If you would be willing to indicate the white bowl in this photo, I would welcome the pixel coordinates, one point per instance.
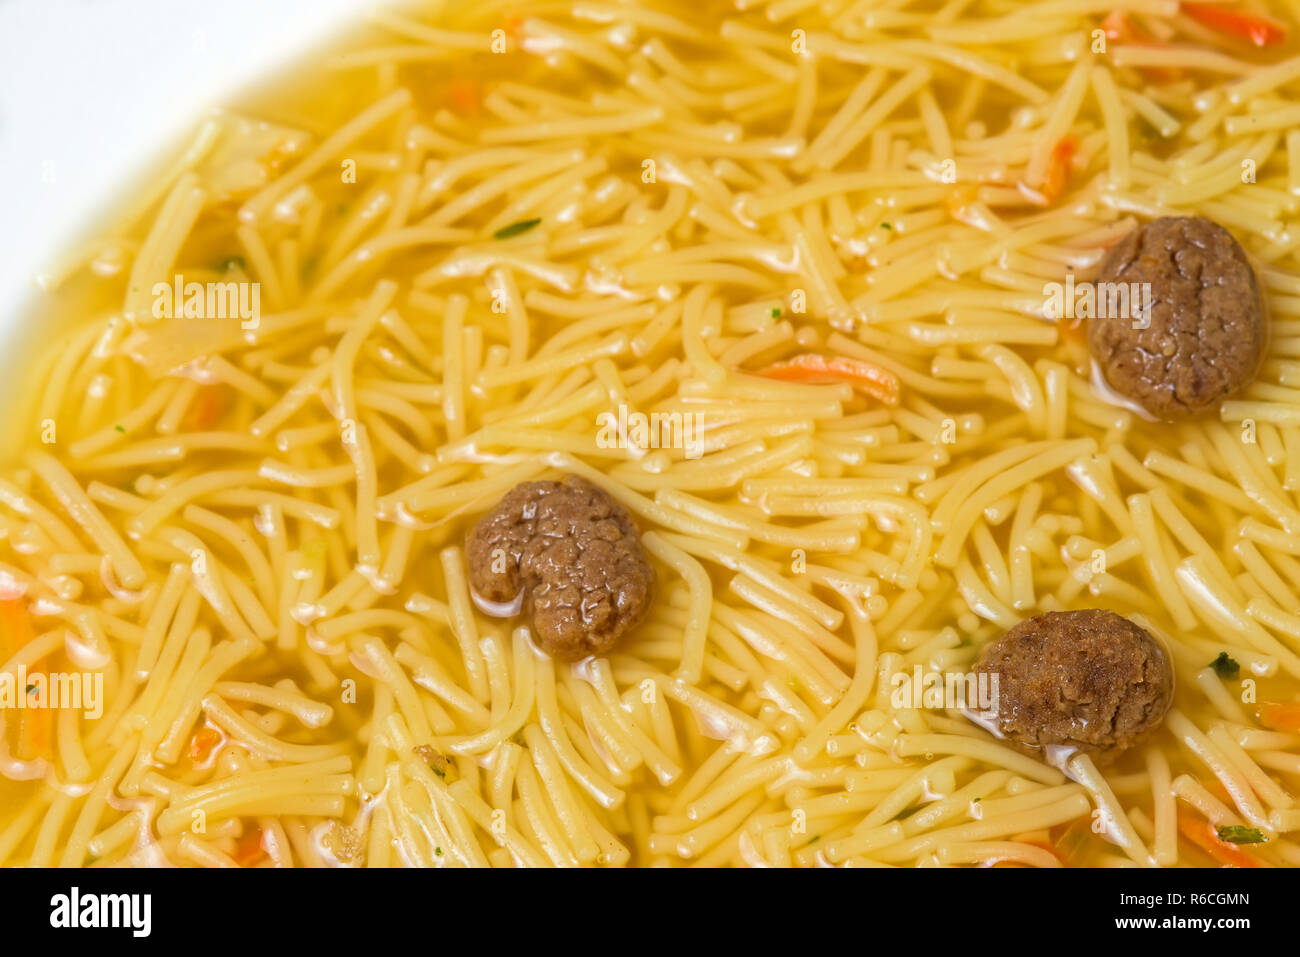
(94, 94)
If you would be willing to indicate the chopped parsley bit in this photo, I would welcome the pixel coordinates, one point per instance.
(515, 229)
(231, 262)
(1225, 666)
(438, 771)
(438, 851)
(776, 312)
(120, 428)
(517, 737)
(1240, 834)
(31, 688)
(886, 226)
(814, 839)
(976, 800)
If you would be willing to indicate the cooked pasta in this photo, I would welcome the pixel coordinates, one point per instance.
(773, 276)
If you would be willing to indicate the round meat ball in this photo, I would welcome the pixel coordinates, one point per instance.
(1206, 332)
(575, 555)
(1089, 680)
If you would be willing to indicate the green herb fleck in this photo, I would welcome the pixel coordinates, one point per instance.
(1240, 834)
(341, 208)
(776, 312)
(438, 851)
(515, 229)
(438, 771)
(1225, 666)
(31, 689)
(517, 738)
(887, 226)
(120, 428)
(231, 262)
(814, 839)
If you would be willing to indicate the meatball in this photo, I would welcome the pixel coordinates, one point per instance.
(1090, 680)
(573, 555)
(1206, 331)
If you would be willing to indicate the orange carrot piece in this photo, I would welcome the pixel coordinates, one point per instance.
(464, 96)
(1260, 31)
(201, 745)
(1203, 835)
(15, 627)
(866, 377)
(1117, 26)
(38, 731)
(210, 404)
(35, 726)
(248, 849)
(1120, 28)
(1280, 717)
(1058, 172)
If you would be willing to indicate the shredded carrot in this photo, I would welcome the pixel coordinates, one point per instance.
(866, 377)
(15, 626)
(1261, 31)
(1059, 170)
(38, 728)
(210, 404)
(34, 729)
(1280, 717)
(464, 96)
(1203, 835)
(1058, 173)
(1120, 28)
(248, 849)
(1117, 26)
(201, 745)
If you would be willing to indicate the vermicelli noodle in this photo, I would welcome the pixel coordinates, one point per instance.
(503, 242)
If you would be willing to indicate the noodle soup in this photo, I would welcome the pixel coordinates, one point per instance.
(776, 279)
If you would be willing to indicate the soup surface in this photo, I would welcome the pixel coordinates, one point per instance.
(804, 288)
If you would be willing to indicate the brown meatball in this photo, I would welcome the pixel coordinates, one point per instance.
(1206, 332)
(1090, 680)
(575, 554)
